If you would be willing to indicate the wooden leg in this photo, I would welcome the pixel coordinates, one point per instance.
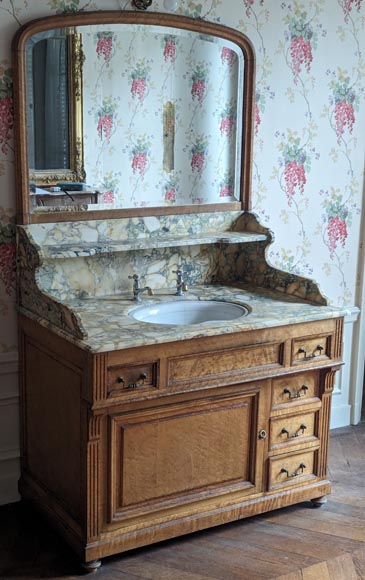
(318, 502)
(92, 566)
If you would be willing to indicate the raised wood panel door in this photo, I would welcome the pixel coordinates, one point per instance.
(183, 453)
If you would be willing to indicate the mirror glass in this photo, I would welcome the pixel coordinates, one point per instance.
(132, 116)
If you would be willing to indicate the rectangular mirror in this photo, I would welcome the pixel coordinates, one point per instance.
(150, 111)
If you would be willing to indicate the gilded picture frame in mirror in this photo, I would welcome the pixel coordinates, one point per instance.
(54, 110)
(73, 198)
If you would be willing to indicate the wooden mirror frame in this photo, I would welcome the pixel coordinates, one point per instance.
(24, 215)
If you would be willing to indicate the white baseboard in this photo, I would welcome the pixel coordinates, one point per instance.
(342, 403)
(340, 416)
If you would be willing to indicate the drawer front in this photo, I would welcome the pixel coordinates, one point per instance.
(289, 430)
(294, 469)
(311, 349)
(127, 380)
(295, 388)
(224, 367)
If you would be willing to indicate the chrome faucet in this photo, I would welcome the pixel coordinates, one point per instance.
(137, 290)
(181, 287)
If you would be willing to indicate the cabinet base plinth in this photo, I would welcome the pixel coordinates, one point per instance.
(319, 501)
(91, 566)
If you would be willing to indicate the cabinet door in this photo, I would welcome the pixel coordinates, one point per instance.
(182, 453)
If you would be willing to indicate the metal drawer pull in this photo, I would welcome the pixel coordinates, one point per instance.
(142, 378)
(302, 350)
(297, 433)
(299, 471)
(298, 394)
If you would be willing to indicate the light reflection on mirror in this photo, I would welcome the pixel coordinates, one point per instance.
(162, 112)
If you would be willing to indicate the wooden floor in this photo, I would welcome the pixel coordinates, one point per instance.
(296, 543)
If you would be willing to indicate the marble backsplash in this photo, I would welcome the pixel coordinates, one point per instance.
(107, 274)
(48, 279)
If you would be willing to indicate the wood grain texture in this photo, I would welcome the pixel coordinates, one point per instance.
(293, 543)
(184, 450)
(204, 448)
(223, 366)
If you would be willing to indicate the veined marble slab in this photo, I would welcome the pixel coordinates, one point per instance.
(109, 327)
(82, 249)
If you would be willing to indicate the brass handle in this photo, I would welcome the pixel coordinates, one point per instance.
(302, 350)
(262, 434)
(298, 394)
(299, 471)
(131, 386)
(297, 433)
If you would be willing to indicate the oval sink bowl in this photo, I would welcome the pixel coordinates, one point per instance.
(189, 312)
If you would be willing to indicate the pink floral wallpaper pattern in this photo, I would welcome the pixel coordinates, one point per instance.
(309, 130)
(126, 90)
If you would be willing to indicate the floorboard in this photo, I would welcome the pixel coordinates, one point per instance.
(294, 543)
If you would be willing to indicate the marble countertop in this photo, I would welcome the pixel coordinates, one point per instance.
(108, 325)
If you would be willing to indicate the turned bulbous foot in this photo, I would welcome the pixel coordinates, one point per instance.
(91, 566)
(318, 502)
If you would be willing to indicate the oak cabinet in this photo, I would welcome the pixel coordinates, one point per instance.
(126, 448)
(176, 455)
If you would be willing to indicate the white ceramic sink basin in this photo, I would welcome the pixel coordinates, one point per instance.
(188, 312)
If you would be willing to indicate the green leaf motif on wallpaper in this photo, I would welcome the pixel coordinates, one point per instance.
(69, 6)
(193, 10)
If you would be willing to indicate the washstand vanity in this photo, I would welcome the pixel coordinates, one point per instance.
(138, 427)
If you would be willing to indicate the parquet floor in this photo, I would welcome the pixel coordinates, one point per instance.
(295, 543)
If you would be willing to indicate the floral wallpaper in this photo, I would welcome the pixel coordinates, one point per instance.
(126, 92)
(309, 131)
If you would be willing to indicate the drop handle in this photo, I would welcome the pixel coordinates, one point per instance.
(297, 433)
(314, 354)
(298, 394)
(131, 386)
(299, 471)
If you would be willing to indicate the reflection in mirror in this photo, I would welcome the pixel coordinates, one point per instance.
(54, 107)
(162, 115)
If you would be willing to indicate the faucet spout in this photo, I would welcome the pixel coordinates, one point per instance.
(137, 290)
(181, 286)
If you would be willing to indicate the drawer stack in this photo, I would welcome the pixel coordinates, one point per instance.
(294, 439)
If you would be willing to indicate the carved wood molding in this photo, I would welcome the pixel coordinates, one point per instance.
(337, 347)
(93, 479)
(99, 378)
(328, 378)
(94, 432)
(93, 490)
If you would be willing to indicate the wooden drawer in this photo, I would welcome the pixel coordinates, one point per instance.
(289, 430)
(311, 349)
(291, 469)
(127, 380)
(294, 389)
(224, 366)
